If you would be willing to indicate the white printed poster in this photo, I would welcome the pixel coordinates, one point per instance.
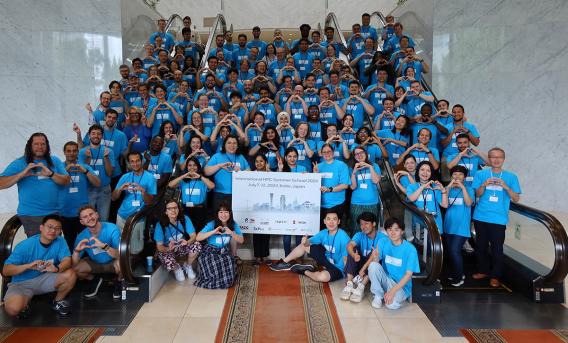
(277, 203)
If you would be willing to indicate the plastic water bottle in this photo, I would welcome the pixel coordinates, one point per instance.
(123, 290)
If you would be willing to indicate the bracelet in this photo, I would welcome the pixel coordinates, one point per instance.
(105, 247)
(52, 173)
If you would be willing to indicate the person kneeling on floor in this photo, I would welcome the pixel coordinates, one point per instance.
(175, 238)
(359, 256)
(39, 265)
(99, 240)
(217, 267)
(392, 280)
(328, 247)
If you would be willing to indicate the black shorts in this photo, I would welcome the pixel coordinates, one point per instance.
(317, 252)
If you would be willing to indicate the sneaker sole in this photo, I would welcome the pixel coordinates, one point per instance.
(345, 298)
(95, 292)
(356, 299)
(280, 270)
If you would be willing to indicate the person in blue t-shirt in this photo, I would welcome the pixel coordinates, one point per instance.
(305, 146)
(303, 61)
(495, 188)
(328, 247)
(425, 120)
(38, 265)
(99, 241)
(457, 127)
(412, 60)
(102, 160)
(175, 238)
(457, 221)
(222, 165)
(364, 179)
(405, 176)
(194, 188)
(356, 43)
(355, 105)
(98, 115)
(421, 150)
(427, 193)
(393, 44)
(468, 156)
(162, 111)
(39, 177)
(414, 99)
(391, 280)
(137, 133)
(334, 182)
(256, 42)
(139, 187)
(158, 163)
(76, 193)
(216, 261)
(359, 252)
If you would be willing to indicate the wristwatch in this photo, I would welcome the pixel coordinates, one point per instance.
(330, 189)
(105, 247)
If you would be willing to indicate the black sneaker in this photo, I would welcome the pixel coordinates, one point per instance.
(117, 290)
(457, 283)
(302, 268)
(25, 313)
(62, 307)
(280, 266)
(96, 286)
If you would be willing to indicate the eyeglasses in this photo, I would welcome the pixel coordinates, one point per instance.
(52, 227)
(359, 153)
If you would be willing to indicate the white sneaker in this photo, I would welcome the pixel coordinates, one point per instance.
(189, 271)
(358, 293)
(346, 292)
(180, 276)
(377, 302)
(467, 247)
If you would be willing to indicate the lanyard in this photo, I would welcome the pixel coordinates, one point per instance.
(499, 177)
(455, 198)
(191, 188)
(111, 135)
(138, 183)
(373, 241)
(94, 163)
(230, 160)
(332, 243)
(176, 227)
(157, 162)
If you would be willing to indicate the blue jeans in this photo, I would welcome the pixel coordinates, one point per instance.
(455, 244)
(99, 197)
(287, 240)
(381, 283)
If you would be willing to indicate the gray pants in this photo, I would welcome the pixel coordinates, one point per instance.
(31, 224)
(381, 283)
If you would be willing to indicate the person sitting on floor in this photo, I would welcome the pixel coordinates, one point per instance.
(328, 247)
(175, 238)
(391, 280)
(216, 264)
(359, 257)
(99, 240)
(39, 265)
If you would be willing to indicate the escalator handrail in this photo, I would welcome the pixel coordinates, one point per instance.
(331, 21)
(559, 270)
(7, 237)
(437, 254)
(219, 20)
(425, 84)
(170, 21)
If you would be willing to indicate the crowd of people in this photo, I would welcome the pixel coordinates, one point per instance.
(181, 119)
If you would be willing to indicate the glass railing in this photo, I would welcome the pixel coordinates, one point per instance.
(219, 27)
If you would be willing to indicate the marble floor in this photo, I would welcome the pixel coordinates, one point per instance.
(182, 312)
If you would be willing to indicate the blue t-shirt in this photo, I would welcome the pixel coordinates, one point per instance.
(452, 148)
(143, 133)
(163, 113)
(366, 244)
(316, 129)
(75, 194)
(493, 205)
(37, 195)
(366, 192)
(399, 259)
(193, 192)
(332, 175)
(173, 232)
(160, 164)
(422, 155)
(335, 246)
(224, 179)
(133, 200)
(303, 158)
(471, 162)
(416, 127)
(98, 163)
(457, 220)
(31, 249)
(297, 113)
(115, 140)
(356, 109)
(394, 150)
(220, 240)
(258, 44)
(376, 97)
(429, 202)
(109, 234)
(415, 103)
(303, 62)
(328, 114)
(375, 153)
(269, 112)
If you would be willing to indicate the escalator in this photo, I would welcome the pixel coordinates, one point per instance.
(536, 245)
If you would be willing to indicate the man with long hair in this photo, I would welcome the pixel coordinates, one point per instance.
(38, 176)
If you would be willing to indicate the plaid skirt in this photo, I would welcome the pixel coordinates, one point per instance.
(217, 268)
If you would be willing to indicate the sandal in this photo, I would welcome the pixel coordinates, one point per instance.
(238, 260)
